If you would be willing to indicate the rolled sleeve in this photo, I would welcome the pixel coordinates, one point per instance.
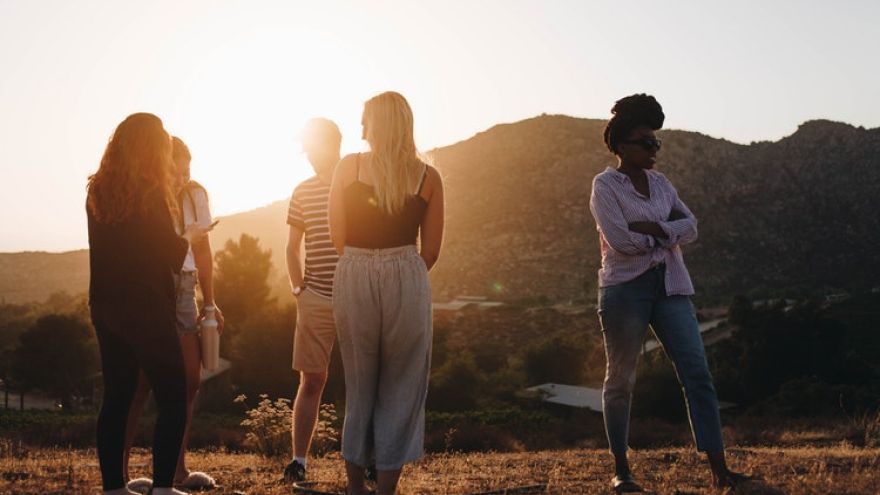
(683, 230)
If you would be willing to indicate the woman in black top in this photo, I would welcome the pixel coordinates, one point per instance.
(134, 251)
(381, 204)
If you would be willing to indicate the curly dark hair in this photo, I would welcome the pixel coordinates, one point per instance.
(629, 113)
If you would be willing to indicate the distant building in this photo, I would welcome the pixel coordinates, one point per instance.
(223, 365)
(569, 395)
(836, 297)
(581, 397)
(711, 331)
(460, 302)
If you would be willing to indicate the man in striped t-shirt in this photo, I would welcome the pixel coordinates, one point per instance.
(313, 288)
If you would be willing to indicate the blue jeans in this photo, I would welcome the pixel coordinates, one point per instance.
(187, 315)
(625, 311)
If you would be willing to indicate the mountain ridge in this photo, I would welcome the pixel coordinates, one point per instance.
(518, 225)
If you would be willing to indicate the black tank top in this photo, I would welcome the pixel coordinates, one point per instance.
(368, 226)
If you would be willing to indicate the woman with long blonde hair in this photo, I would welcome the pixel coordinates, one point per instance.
(134, 250)
(386, 221)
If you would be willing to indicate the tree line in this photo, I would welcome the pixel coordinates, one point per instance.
(802, 359)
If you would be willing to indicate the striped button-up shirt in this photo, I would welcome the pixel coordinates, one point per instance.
(615, 203)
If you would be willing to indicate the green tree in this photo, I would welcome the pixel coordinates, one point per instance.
(261, 353)
(15, 319)
(454, 386)
(241, 286)
(259, 335)
(558, 359)
(740, 310)
(6, 359)
(57, 354)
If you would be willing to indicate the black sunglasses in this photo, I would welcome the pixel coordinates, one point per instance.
(646, 143)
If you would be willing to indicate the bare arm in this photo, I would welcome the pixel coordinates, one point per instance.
(294, 261)
(204, 258)
(342, 177)
(434, 219)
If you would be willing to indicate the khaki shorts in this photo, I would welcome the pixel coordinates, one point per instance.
(315, 333)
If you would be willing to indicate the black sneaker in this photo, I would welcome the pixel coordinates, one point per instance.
(294, 472)
(371, 474)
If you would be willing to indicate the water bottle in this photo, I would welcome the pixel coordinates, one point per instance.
(210, 339)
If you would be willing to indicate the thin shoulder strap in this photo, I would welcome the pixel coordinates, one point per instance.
(186, 194)
(357, 167)
(422, 182)
(192, 204)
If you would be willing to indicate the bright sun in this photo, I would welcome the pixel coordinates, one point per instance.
(244, 102)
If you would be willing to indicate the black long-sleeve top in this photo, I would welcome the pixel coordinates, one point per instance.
(133, 261)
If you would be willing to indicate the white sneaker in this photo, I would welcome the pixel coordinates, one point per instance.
(197, 480)
(166, 491)
(140, 485)
(119, 491)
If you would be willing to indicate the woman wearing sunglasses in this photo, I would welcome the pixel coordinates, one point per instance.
(643, 281)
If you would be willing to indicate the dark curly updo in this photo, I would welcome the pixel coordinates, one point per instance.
(629, 113)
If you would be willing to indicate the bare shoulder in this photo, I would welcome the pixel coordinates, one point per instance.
(348, 161)
(433, 177)
(433, 183)
(346, 169)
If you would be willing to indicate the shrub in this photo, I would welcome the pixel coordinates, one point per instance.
(268, 427)
(455, 385)
(559, 360)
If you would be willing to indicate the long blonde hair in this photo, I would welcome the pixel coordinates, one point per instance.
(136, 164)
(388, 128)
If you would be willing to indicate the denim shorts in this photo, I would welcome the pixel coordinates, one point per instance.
(187, 312)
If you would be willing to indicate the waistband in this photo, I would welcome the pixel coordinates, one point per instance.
(397, 252)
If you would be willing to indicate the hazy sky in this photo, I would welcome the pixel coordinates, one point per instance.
(236, 80)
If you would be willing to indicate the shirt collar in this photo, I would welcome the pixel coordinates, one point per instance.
(617, 174)
(622, 177)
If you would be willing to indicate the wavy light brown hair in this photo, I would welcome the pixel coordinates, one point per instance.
(137, 163)
(388, 127)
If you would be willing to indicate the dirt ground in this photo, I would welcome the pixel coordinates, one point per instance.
(832, 470)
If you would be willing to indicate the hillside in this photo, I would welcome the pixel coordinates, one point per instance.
(34, 276)
(791, 214)
(772, 215)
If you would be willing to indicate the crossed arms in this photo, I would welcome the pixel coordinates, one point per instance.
(634, 238)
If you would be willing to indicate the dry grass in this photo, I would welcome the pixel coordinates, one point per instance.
(833, 470)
